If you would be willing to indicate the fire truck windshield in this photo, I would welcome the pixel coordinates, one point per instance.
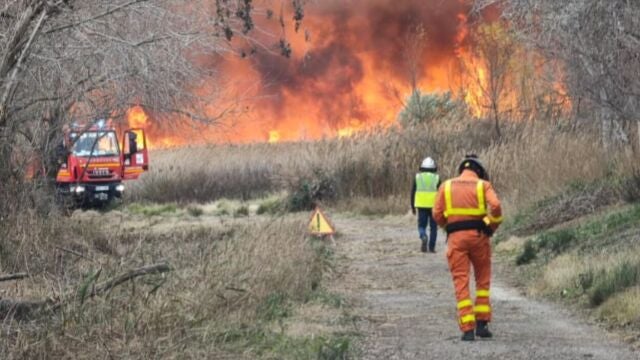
(106, 144)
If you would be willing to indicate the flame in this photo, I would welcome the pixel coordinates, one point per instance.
(137, 118)
(346, 132)
(274, 136)
(347, 74)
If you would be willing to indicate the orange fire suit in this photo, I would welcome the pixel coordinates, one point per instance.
(463, 199)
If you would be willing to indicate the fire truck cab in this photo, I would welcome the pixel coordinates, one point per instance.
(94, 163)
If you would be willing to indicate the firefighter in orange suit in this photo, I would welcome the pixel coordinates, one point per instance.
(469, 210)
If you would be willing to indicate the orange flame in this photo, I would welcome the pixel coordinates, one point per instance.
(336, 83)
(274, 136)
(137, 118)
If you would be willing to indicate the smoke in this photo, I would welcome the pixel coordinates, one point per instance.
(350, 42)
(347, 71)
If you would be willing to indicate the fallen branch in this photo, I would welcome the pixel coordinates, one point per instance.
(16, 276)
(24, 309)
(73, 252)
(111, 283)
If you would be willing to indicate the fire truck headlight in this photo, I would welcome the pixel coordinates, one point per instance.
(119, 188)
(78, 189)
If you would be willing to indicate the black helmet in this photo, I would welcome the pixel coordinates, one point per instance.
(472, 162)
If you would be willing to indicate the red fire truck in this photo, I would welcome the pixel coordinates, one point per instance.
(94, 163)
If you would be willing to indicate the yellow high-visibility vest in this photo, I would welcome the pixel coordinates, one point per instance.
(480, 210)
(426, 189)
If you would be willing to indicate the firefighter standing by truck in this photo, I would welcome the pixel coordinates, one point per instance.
(469, 210)
(423, 195)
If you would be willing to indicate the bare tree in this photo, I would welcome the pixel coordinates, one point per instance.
(492, 51)
(64, 60)
(415, 43)
(599, 42)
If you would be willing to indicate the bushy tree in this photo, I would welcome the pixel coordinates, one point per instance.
(424, 108)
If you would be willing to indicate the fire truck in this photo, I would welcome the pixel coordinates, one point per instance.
(94, 164)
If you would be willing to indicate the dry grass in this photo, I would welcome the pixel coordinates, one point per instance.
(530, 162)
(209, 173)
(542, 160)
(374, 165)
(218, 299)
(623, 308)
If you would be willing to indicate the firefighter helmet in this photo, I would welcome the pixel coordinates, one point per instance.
(472, 163)
(428, 164)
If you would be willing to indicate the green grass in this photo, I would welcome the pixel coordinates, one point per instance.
(195, 211)
(241, 211)
(325, 297)
(594, 233)
(275, 307)
(271, 206)
(529, 253)
(611, 281)
(270, 344)
(152, 210)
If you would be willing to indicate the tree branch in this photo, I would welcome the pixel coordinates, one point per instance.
(16, 276)
(10, 83)
(26, 309)
(110, 284)
(96, 17)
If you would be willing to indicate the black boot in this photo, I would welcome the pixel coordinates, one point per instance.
(423, 248)
(482, 329)
(468, 336)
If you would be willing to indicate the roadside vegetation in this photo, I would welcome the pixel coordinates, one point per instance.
(234, 287)
(581, 247)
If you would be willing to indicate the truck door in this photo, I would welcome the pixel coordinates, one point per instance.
(135, 155)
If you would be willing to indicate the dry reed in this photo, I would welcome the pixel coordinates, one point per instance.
(530, 162)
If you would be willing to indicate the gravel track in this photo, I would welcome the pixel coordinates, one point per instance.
(404, 300)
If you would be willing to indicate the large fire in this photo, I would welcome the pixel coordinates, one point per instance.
(348, 72)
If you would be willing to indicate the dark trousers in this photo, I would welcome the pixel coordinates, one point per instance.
(426, 218)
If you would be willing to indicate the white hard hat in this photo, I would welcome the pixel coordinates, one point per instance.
(428, 164)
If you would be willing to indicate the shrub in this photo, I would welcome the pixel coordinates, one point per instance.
(270, 206)
(427, 108)
(609, 282)
(308, 192)
(630, 186)
(152, 210)
(241, 211)
(195, 211)
(557, 241)
(528, 254)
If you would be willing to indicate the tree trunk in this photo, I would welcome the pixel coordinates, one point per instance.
(496, 119)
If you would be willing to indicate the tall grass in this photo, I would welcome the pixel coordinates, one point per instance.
(373, 165)
(208, 173)
(529, 162)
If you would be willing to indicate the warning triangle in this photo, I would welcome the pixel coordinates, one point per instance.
(320, 224)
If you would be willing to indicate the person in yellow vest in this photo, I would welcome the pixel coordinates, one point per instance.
(423, 196)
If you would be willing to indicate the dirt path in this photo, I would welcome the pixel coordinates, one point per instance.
(405, 302)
